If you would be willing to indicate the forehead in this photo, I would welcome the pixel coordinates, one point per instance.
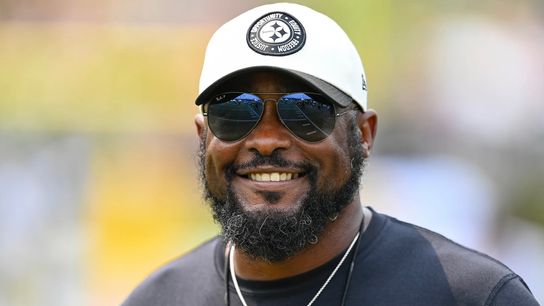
(265, 82)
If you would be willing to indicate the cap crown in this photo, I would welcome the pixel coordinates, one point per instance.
(286, 36)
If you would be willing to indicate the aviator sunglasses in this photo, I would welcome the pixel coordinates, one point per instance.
(308, 116)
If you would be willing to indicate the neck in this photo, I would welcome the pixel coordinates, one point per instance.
(334, 240)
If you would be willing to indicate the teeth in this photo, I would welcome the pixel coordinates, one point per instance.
(273, 177)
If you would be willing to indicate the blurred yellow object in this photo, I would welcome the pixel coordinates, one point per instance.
(130, 88)
(99, 78)
(145, 209)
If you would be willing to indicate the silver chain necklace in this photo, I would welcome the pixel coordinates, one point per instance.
(235, 281)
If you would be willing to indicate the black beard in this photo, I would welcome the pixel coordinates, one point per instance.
(274, 235)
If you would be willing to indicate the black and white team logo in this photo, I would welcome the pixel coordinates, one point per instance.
(276, 34)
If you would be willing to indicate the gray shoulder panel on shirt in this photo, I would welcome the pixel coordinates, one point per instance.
(475, 278)
(511, 291)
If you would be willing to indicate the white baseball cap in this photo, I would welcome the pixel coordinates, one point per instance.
(290, 38)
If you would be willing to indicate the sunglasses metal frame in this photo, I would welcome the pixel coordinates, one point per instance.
(349, 108)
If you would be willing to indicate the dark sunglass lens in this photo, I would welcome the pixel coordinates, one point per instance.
(232, 116)
(306, 116)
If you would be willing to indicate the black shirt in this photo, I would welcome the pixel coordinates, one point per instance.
(397, 263)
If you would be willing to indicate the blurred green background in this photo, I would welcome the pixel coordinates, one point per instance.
(98, 176)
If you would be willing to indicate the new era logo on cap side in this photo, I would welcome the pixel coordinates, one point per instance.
(276, 34)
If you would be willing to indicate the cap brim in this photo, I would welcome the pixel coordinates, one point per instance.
(335, 94)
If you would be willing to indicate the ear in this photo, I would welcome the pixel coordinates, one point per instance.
(368, 124)
(200, 124)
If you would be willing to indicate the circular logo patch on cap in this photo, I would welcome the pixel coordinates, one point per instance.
(276, 34)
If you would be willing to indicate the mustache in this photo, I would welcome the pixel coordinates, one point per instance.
(275, 160)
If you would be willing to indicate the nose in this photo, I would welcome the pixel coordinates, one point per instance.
(270, 134)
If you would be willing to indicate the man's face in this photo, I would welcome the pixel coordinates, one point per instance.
(275, 219)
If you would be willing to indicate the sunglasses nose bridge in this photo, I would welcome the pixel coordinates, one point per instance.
(270, 110)
(270, 119)
(269, 134)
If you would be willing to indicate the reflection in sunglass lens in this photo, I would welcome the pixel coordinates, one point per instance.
(306, 117)
(232, 116)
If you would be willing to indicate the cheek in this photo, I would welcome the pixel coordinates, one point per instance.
(218, 156)
(335, 163)
(335, 170)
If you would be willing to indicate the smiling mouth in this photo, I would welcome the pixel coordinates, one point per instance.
(273, 176)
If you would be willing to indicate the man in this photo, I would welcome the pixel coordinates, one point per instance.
(285, 132)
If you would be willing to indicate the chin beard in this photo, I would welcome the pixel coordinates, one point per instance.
(273, 235)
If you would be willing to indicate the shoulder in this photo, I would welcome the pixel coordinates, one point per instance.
(178, 279)
(474, 278)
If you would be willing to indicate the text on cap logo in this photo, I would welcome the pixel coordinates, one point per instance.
(276, 34)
